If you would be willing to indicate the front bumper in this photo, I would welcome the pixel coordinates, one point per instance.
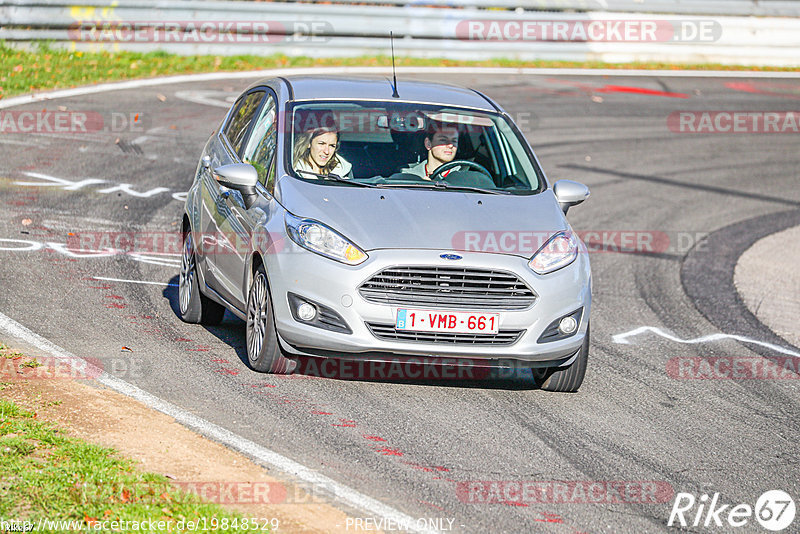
(335, 285)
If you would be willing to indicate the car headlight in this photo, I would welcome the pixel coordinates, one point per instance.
(318, 238)
(559, 251)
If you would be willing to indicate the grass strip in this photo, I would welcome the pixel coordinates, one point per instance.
(46, 475)
(24, 71)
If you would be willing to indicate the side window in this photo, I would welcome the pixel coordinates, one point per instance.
(240, 119)
(260, 149)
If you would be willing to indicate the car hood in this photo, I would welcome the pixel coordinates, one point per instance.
(424, 219)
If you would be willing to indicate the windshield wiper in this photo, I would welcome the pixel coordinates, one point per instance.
(335, 178)
(448, 187)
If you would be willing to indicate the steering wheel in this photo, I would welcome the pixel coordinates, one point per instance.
(436, 175)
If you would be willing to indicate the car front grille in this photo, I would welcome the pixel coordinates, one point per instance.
(388, 332)
(448, 287)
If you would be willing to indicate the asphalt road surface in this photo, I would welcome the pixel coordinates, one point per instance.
(611, 458)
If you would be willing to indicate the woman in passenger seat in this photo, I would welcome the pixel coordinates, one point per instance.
(315, 152)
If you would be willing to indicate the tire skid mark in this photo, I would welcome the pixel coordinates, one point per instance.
(299, 377)
(782, 90)
(588, 88)
(426, 503)
(348, 423)
(115, 304)
(549, 518)
(379, 444)
(264, 385)
(155, 330)
(427, 469)
(24, 200)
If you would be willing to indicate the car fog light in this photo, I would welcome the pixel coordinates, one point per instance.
(567, 325)
(306, 311)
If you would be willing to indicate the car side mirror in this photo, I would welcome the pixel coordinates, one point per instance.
(240, 176)
(569, 193)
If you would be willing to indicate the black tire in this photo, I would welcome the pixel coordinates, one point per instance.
(566, 380)
(263, 350)
(195, 307)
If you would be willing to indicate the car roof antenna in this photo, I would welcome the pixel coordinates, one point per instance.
(395, 94)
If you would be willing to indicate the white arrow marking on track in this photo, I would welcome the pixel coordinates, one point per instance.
(52, 181)
(623, 339)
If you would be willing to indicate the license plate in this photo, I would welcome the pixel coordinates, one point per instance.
(447, 321)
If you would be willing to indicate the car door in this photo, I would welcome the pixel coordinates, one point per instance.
(258, 150)
(220, 246)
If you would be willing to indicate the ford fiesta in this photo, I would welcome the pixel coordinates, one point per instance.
(356, 219)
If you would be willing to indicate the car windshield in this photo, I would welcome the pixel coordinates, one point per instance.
(405, 145)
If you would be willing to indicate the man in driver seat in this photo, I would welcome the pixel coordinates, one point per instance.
(441, 142)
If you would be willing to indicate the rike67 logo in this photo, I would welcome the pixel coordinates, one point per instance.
(774, 510)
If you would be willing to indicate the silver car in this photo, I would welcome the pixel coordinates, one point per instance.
(359, 220)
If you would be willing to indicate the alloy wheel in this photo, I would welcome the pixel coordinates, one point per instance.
(257, 317)
(186, 282)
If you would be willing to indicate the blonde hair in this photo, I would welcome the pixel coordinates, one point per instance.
(302, 148)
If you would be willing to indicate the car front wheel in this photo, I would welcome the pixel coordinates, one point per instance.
(566, 380)
(263, 350)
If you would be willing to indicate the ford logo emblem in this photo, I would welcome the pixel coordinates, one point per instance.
(450, 256)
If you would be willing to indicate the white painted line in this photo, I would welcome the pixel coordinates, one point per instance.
(338, 492)
(144, 258)
(24, 143)
(623, 339)
(204, 97)
(133, 281)
(211, 76)
(68, 185)
(158, 255)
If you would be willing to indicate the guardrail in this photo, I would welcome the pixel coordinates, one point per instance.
(342, 28)
(761, 8)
